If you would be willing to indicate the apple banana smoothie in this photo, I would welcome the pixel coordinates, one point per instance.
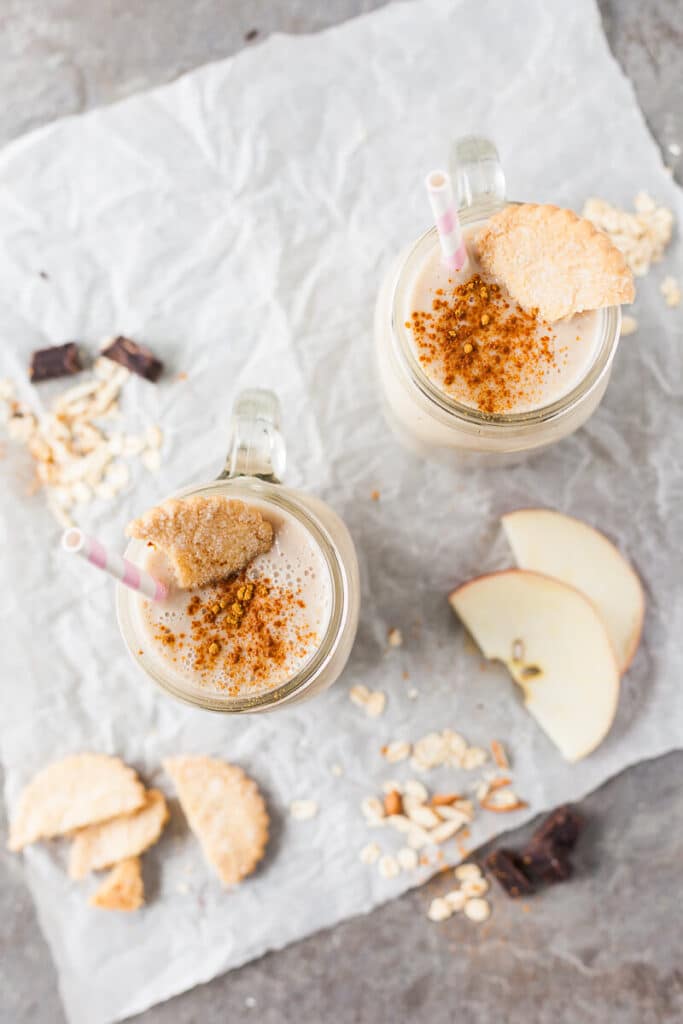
(256, 592)
(248, 634)
(479, 347)
(487, 361)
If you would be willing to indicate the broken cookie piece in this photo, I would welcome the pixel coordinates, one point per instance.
(100, 846)
(122, 889)
(205, 539)
(226, 812)
(553, 262)
(70, 794)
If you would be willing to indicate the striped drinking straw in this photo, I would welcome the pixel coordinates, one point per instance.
(78, 543)
(440, 191)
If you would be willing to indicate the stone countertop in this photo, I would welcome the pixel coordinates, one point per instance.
(605, 948)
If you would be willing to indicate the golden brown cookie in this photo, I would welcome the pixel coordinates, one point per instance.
(122, 889)
(70, 794)
(100, 846)
(205, 538)
(553, 262)
(225, 811)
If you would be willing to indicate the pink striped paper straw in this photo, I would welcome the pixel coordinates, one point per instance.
(78, 543)
(440, 191)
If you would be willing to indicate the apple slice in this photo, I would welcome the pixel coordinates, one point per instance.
(571, 551)
(555, 645)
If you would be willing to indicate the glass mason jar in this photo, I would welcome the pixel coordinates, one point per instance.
(425, 418)
(253, 467)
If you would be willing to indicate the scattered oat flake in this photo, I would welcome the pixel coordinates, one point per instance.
(373, 702)
(439, 909)
(303, 810)
(474, 757)
(416, 789)
(370, 853)
(151, 460)
(499, 755)
(418, 838)
(397, 750)
(359, 694)
(337, 770)
(503, 801)
(395, 638)
(467, 871)
(373, 810)
(376, 704)
(153, 437)
(473, 887)
(388, 867)
(641, 236)
(413, 694)
(477, 910)
(447, 813)
(407, 858)
(421, 815)
(671, 290)
(629, 325)
(446, 830)
(399, 822)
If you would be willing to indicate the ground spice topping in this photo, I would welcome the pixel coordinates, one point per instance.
(484, 348)
(243, 632)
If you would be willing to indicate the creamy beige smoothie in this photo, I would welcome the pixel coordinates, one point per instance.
(481, 349)
(470, 378)
(246, 635)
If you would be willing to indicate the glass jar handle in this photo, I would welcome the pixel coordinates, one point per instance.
(476, 171)
(257, 447)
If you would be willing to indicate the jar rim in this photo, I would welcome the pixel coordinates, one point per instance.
(282, 497)
(448, 408)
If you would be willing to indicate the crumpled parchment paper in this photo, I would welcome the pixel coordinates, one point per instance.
(239, 222)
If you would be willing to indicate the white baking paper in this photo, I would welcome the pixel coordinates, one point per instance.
(239, 222)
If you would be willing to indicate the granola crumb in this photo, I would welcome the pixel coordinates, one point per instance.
(388, 867)
(671, 290)
(303, 810)
(477, 910)
(374, 496)
(395, 637)
(397, 750)
(373, 702)
(629, 325)
(370, 853)
(439, 909)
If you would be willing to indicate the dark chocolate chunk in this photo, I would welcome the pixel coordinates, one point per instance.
(57, 361)
(134, 357)
(544, 861)
(507, 867)
(250, 35)
(561, 827)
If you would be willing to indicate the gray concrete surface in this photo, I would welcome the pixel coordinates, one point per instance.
(606, 948)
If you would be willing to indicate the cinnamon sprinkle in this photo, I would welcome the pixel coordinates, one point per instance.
(483, 345)
(244, 632)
